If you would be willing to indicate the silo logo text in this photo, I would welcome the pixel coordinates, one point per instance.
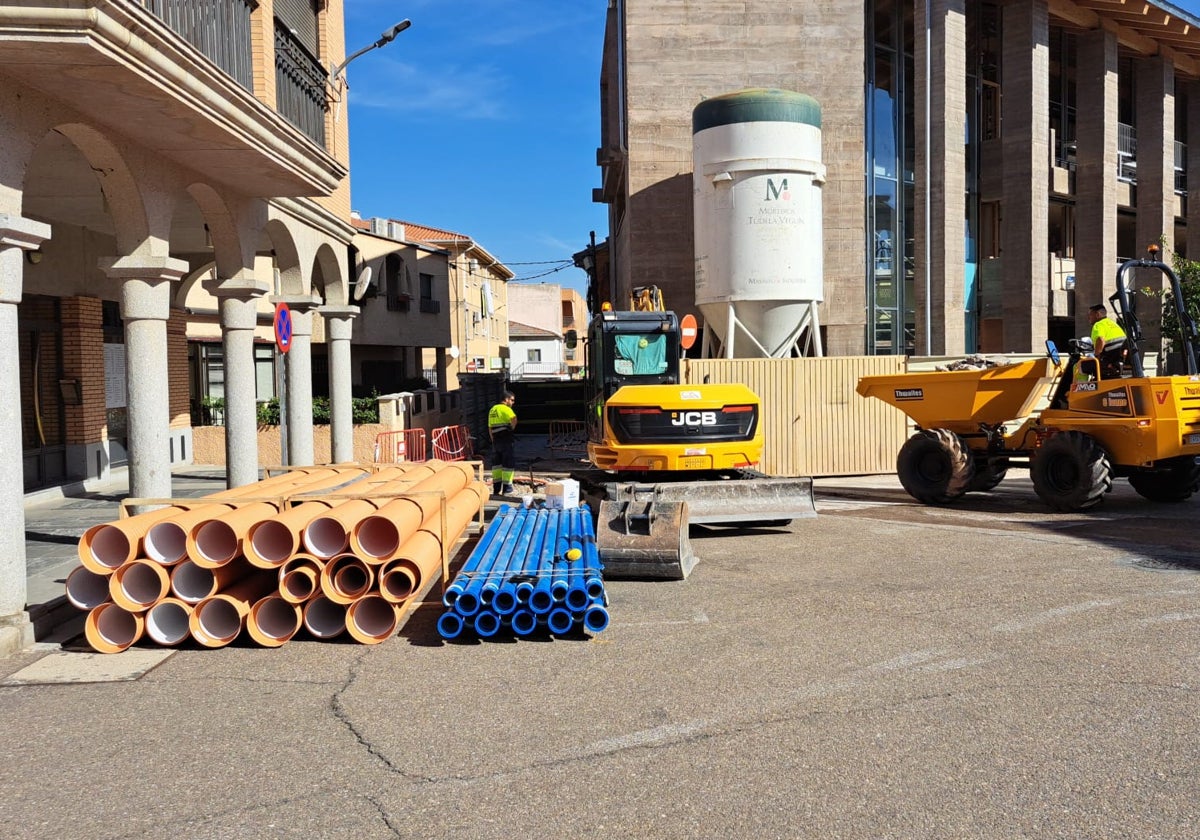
(780, 193)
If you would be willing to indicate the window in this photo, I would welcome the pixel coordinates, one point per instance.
(533, 355)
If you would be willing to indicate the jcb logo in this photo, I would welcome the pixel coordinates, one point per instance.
(694, 418)
(779, 193)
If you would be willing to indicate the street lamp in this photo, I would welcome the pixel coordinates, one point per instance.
(386, 38)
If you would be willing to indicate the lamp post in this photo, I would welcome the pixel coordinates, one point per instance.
(386, 38)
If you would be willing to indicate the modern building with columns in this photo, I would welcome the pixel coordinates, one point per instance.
(988, 163)
(144, 152)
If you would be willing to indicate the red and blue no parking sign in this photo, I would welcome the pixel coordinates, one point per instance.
(283, 327)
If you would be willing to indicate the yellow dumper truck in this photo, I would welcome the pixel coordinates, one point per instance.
(1073, 429)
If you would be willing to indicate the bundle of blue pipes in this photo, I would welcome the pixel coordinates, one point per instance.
(532, 568)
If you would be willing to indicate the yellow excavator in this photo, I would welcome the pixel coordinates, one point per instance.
(665, 454)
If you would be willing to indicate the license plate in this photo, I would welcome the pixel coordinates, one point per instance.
(702, 463)
(1191, 440)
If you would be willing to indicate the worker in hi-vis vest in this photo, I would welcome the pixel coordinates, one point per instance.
(502, 424)
(1109, 341)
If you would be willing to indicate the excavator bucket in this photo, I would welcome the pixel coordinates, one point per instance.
(644, 539)
(642, 530)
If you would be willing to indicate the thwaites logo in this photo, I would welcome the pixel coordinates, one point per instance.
(694, 418)
(910, 394)
(1190, 391)
(778, 193)
(1116, 400)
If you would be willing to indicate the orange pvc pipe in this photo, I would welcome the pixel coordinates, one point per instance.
(300, 578)
(106, 547)
(272, 621)
(217, 621)
(86, 589)
(371, 620)
(192, 583)
(323, 618)
(377, 537)
(420, 558)
(345, 579)
(272, 540)
(110, 629)
(138, 585)
(167, 621)
(214, 542)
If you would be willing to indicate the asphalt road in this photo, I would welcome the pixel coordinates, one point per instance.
(883, 670)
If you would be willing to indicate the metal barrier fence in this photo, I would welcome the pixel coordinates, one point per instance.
(452, 443)
(567, 436)
(394, 447)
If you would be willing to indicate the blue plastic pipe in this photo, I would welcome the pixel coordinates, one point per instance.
(524, 622)
(487, 624)
(529, 571)
(500, 523)
(450, 625)
(504, 602)
(559, 621)
(510, 558)
(595, 618)
(540, 600)
(468, 601)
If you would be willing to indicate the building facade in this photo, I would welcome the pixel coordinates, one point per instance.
(146, 153)
(988, 164)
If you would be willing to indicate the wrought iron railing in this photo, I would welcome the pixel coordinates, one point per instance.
(299, 85)
(218, 28)
(1181, 168)
(1127, 153)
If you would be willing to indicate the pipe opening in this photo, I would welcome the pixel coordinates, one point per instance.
(467, 604)
(193, 583)
(141, 584)
(272, 542)
(108, 546)
(524, 622)
(559, 620)
(323, 618)
(378, 537)
(298, 585)
(487, 624)
(352, 580)
(595, 619)
(504, 602)
(116, 626)
(165, 543)
(216, 542)
(541, 601)
(86, 589)
(325, 537)
(373, 617)
(167, 623)
(577, 598)
(275, 619)
(450, 625)
(397, 584)
(219, 620)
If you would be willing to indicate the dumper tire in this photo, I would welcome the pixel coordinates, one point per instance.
(988, 473)
(935, 466)
(1071, 472)
(1175, 480)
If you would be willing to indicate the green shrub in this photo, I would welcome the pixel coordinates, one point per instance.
(362, 410)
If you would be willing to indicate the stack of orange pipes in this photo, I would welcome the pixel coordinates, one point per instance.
(329, 549)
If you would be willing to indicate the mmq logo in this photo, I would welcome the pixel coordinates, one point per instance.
(780, 193)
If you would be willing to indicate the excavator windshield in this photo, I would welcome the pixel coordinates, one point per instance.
(639, 354)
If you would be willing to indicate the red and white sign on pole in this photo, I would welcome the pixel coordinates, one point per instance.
(471, 366)
(687, 331)
(283, 327)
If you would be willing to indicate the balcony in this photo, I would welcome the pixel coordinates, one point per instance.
(168, 80)
(299, 86)
(431, 306)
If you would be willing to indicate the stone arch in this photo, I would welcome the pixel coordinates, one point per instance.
(287, 258)
(124, 199)
(229, 247)
(328, 278)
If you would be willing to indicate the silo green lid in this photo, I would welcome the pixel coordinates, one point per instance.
(756, 105)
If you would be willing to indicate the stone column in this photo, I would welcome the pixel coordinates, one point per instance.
(1095, 174)
(17, 235)
(340, 323)
(947, 169)
(1025, 139)
(443, 365)
(1155, 157)
(239, 317)
(145, 307)
(299, 381)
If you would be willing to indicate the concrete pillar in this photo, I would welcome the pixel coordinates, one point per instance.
(1192, 165)
(340, 326)
(145, 308)
(17, 235)
(1025, 197)
(1095, 174)
(940, 320)
(1155, 115)
(239, 317)
(299, 381)
(443, 366)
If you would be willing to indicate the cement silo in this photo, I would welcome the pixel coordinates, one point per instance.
(757, 176)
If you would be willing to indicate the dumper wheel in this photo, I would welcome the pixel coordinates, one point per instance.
(988, 473)
(1071, 472)
(1174, 481)
(935, 466)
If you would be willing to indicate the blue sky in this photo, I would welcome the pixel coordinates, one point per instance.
(483, 118)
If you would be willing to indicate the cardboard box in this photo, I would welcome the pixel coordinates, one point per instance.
(562, 495)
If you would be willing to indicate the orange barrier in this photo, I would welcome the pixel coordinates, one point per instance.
(404, 445)
(452, 443)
